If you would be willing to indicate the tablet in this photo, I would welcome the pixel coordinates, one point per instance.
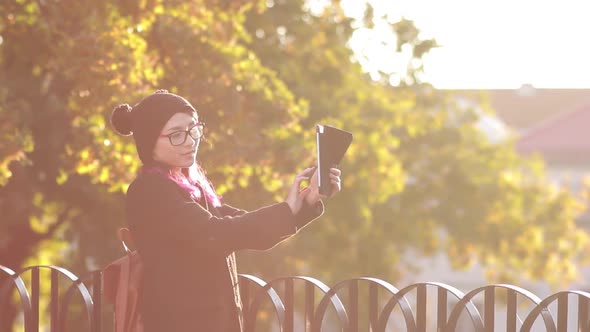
(331, 145)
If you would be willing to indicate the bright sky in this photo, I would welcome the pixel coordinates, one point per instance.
(491, 44)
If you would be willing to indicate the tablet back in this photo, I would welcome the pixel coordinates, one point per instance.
(331, 145)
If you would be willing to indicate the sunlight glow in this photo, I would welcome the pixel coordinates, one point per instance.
(499, 44)
(316, 6)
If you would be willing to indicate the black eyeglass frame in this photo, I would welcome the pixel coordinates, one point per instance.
(186, 133)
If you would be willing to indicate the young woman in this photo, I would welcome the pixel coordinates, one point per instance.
(185, 235)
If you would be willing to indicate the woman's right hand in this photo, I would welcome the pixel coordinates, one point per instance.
(296, 196)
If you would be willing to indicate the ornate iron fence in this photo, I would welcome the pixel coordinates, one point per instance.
(307, 304)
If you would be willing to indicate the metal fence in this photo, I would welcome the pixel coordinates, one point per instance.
(299, 303)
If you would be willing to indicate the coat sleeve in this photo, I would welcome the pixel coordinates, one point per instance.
(303, 218)
(228, 210)
(308, 213)
(157, 209)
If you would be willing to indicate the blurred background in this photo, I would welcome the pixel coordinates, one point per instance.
(470, 120)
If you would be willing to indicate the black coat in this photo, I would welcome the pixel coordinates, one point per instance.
(190, 278)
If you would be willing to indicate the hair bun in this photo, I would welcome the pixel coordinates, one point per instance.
(121, 119)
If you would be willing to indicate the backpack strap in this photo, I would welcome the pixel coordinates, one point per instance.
(122, 297)
(122, 282)
(124, 235)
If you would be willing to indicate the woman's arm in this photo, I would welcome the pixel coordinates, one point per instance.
(306, 215)
(230, 211)
(157, 210)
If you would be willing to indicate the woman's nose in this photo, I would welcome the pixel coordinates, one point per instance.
(191, 141)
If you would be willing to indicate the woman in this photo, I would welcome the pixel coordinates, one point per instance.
(186, 236)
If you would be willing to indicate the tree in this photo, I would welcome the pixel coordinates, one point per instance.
(419, 175)
(66, 65)
(261, 78)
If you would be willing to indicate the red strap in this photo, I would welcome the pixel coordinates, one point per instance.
(121, 299)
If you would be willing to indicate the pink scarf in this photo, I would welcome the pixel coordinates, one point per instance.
(195, 188)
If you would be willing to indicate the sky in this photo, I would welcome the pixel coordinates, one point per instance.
(489, 44)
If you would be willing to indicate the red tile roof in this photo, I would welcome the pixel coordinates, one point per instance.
(565, 137)
(527, 107)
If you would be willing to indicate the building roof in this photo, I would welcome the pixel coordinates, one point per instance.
(564, 137)
(552, 122)
(527, 106)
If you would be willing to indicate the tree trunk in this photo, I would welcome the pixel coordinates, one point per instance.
(17, 241)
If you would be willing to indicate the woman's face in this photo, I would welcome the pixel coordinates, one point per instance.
(184, 154)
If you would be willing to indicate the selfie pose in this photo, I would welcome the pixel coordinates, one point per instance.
(185, 234)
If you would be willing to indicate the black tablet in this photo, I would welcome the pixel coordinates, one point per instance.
(331, 145)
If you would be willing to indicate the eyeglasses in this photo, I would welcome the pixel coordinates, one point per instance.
(179, 137)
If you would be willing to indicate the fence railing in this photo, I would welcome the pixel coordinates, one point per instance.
(299, 303)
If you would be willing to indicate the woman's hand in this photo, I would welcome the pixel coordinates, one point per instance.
(296, 196)
(314, 195)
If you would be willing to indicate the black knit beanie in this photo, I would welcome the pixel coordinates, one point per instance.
(146, 119)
